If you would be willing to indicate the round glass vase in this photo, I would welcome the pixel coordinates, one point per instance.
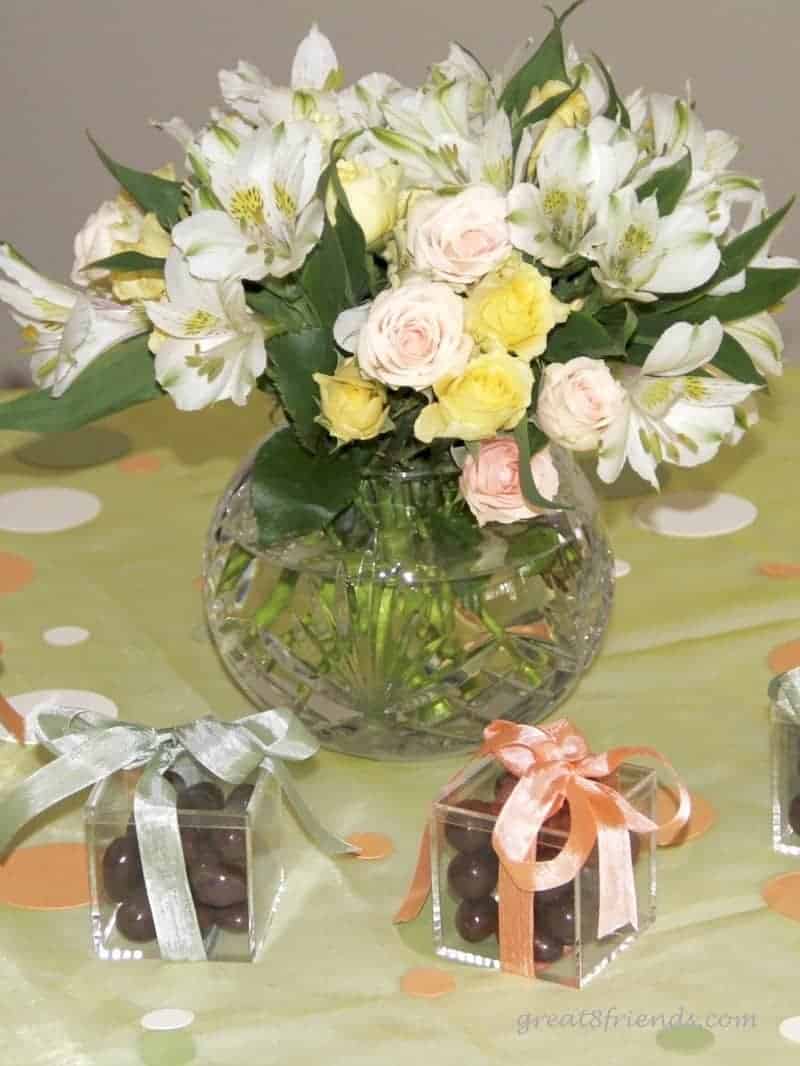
(400, 632)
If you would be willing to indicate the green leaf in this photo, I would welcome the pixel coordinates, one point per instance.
(527, 484)
(621, 323)
(764, 288)
(276, 309)
(668, 185)
(352, 241)
(293, 360)
(121, 378)
(739, 253)
(164, 198)
(734, 360)
(537, 545)
(580, 335)
(457, 530)
(128, 261)
(295, 492)
(547, 64)
(335, 274)
(616, 110)
(539, 114)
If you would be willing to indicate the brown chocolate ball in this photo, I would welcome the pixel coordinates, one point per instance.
(473, 875)
(230, 845)
(476, 919)
(175, 780)
(794, 815)
(218, 885)
(122, 868)
(135, 919)
(206, 917)
(546, 948)
(235, 919)
(205, 796)
(239, 798)
(555, 919)
(503, 787)
(469, 834)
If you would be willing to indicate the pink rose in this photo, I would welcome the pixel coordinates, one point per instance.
(490, 483)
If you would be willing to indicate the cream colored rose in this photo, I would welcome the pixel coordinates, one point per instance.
(491, 486)
(492, 394)
(372, 194)
(152, 240)
(575, 111)
(577, 402)
(414, 335)
(515, 307)
(459, 238)
(95, 241)
(352, 407)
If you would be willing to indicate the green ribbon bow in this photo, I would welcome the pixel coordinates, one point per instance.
(90, 748)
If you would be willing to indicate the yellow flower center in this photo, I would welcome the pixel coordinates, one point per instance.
(199, 322)
(637, 240)
(284, 200)
(247, 205)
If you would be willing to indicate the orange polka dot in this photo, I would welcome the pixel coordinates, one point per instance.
(782, 894)
(140, 464)
(15, 573)
(427, 982)
(702, 818)
(785, 657)
(372, 845)
(784, 570)
(49, 877)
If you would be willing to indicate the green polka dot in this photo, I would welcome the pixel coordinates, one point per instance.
(90, 446)
(167, 1049)
(687, 1039)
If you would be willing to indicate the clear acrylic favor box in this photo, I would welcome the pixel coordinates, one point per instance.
(567, 949)
(231, 840)
(784, 694)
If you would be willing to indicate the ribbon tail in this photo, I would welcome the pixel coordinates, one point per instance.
(323, 838)
(167, 884)
(617, 904)
(516, 928)
(93, 760)
(420, 887)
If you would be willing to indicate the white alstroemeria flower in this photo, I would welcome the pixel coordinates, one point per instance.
(586, 75)
(212, 346)
(461, 65)
(361, 105)
(64, 330)
(672, 415)
(643, 255)
(272, 217)
(437, 138)
(556, 220)
(761, 338)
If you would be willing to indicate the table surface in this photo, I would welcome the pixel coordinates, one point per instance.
(684, 669)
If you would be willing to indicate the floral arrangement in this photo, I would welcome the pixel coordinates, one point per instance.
(466, 272)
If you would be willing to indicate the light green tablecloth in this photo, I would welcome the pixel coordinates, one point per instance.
(684, 669)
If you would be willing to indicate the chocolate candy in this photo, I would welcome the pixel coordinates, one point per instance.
(473, 875)
(197, 846)
(206, 917)
(230, 845)
(794, 815)
(476, 919)
(503, 787)
(218, 885)
(175, 780)
(122, 868)
(135, 919)
(555, 919)
(469, 834)
(546, 948)
(239, 798)
(205, 796)
(235, 919)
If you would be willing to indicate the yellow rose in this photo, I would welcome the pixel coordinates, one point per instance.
(575, 111)
(492, 394)
(352, 407)
(515, 307)
(128, 285)
(372, 195)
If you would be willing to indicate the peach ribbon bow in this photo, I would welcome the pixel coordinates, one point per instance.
(554, 765)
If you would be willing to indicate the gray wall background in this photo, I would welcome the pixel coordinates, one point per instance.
(69, 65)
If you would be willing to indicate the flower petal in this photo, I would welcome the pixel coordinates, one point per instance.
(683, 348)
(315, 64)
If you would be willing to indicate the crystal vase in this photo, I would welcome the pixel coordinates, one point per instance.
(404, 628)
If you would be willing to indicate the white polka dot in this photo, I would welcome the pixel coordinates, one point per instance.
(790, 1029)
(65, 636)
(76, 699)
(695, 514)
(621, 568)
(166, 1019)
(47, 510)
